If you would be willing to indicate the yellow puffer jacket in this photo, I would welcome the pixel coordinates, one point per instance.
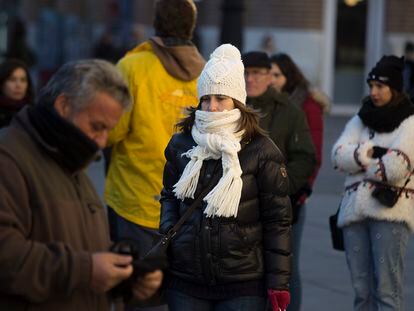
(134, 180)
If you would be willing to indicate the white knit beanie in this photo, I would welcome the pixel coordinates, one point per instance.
(223, 74)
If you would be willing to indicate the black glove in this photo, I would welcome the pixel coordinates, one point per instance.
(378, 152)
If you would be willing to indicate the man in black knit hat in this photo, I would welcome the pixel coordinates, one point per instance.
(288, 128)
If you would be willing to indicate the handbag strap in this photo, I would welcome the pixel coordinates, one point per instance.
(406, 183)
(213, 181)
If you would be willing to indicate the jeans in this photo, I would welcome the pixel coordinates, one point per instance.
(145, 237)
(295, 287)
(375, 253)
(178, 301)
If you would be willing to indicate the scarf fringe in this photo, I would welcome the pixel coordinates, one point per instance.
(186, 186)
(224, 199)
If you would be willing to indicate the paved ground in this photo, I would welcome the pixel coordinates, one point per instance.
(326, 282)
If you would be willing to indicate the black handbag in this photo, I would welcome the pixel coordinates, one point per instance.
(337, 235)
(388, 195)
(157, 257)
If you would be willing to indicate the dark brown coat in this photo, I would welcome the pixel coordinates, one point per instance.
(50, 223)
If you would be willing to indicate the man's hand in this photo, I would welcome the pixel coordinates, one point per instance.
(147, 285)
(108, 270)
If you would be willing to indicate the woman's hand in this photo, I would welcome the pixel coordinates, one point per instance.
(147, 285)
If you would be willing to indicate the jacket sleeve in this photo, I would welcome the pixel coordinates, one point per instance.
(276, 216)
(396, 164)
(300, 154)
(123, 127)
(169, 202)
(314, 116)
(29, 268)
(350, 153)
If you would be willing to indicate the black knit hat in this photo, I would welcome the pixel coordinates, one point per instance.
(389, 70)
(175, 18)
(256, 59)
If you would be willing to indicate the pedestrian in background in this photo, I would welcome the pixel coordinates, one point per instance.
(288, 78)
(161, 73)
(16, 89)
(236, 246)
(409, 69)
(376, 152)
(285, 123)
(54, 239)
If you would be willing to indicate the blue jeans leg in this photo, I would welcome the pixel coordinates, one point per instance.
(295, 280)
(245, 303)
(389, 245)
(358, 257)
(178, 301)
(375, 252)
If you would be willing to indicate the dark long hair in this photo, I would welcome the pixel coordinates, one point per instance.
(249, 121)
(294, 76)
(6, 70)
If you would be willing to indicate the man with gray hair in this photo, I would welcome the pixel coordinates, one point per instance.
(54, 238)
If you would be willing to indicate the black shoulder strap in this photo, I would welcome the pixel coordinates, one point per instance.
(214, 180)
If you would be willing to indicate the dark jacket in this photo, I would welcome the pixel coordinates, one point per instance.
(287, 127)
(253, 246)
(50, 223)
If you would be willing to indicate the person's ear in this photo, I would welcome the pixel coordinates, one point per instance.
(62, 106)
(268, 78)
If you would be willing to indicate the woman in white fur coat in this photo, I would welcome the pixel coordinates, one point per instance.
(376, 149)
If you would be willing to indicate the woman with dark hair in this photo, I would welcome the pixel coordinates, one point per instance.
(287, 77)
(376, 151)
(234, 250)
(16, 89)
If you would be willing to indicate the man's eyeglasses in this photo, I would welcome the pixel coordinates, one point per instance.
(255, 74)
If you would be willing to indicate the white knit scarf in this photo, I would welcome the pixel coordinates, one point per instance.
(216, 136)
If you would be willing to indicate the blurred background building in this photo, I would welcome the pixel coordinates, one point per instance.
(334, 41)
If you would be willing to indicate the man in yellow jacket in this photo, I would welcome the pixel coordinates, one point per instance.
(162, 74)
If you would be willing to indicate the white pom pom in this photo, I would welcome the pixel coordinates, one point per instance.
(226, 51)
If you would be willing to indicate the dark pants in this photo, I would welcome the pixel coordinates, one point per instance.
(144, 237)
(178, 301)
(295, 280)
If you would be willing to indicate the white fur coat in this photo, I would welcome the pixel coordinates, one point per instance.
(349, 155)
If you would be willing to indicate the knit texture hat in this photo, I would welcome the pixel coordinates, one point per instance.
(389, 70)
(256, 59)
(223, 74)
(175, 18)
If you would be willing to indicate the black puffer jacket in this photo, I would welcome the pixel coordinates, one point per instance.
(253, 246)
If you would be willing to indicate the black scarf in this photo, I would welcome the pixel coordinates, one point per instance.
(63, 141)
(8, 104)
(387, 118)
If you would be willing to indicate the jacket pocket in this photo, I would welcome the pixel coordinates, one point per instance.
(240, 249)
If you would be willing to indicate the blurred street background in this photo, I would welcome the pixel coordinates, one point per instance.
(335, 42)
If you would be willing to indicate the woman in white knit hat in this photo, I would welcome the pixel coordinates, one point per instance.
(234, 250)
